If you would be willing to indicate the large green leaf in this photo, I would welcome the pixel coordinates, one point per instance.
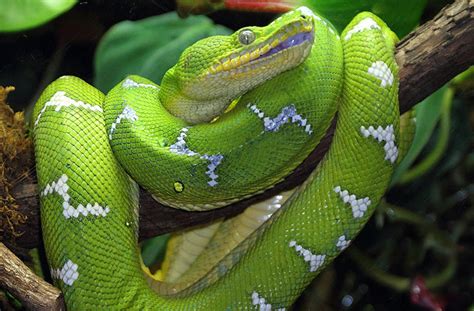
(148, 47)
(400, 15)
(23, 14)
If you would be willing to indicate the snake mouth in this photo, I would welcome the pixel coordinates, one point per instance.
(292, 41)
(295, 36)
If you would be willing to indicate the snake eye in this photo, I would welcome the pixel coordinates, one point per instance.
(246, 36)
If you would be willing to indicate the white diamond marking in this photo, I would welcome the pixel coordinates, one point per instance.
(129, 83)
(128, 114)
(315, 261)
(359, 206)
(383, 134)
(381, 71)
(365, 24)
(180, 147)
(342, 243)
(61, 187)
(68, 273)
(60, 100)
(287, 114)
(262, 304)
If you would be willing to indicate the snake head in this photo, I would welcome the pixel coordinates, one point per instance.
(216, 70)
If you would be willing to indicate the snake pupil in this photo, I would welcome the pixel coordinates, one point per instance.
(246, 36)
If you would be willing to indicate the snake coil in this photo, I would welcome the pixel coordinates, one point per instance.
(196, 152)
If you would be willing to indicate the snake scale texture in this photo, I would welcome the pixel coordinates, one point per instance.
(234, 116)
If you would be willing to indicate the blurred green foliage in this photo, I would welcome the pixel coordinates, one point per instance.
(400, 15)
(427, 115)
(18, 15)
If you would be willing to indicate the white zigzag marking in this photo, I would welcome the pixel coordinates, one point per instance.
(68, 273)
(359, 206)
(180, 147)
(381, 71)
(287, 114)
(128, 113)
(342, 243)
(60, 100)
(259, 301)
(383, 134)
(61, 187)
(315, 261)
(129, 83)
(365, 24)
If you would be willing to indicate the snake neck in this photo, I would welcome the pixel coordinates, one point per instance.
(193, 109)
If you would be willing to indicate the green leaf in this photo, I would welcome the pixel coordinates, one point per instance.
(18, 15)
(427, 115)
(400, 15)
(153, 250)
(148, 47)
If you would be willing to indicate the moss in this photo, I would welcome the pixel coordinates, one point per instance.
(16, 164)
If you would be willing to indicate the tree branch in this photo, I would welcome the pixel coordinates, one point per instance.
(33, 292)
(435, 53)
(428, 58)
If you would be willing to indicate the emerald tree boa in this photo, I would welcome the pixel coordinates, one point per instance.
(233, 117)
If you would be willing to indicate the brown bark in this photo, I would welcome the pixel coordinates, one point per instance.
(33, 292)
(428, 57)
(435, 53)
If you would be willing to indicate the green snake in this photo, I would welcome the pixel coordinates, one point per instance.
(234, 116)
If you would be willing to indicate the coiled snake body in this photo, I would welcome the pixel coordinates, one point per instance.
(202, 149)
